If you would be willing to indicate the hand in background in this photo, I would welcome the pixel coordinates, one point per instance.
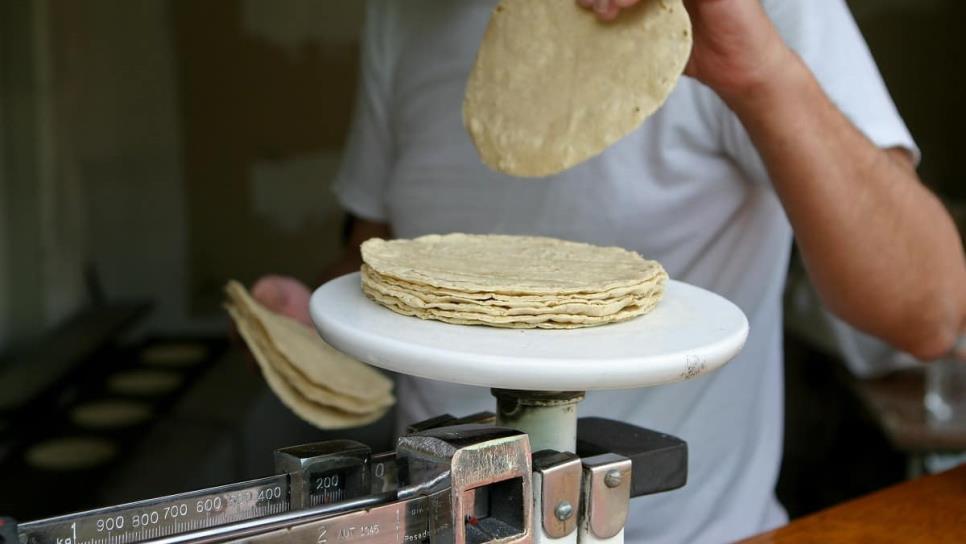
(607, 10)
(285, 296)
(279, 294)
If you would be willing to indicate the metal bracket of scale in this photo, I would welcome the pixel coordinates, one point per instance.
(599, 478)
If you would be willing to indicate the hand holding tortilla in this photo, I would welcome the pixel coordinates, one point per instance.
(552, 86)
(320, 384)
(285, 296)
(607, 10)
(736, 47)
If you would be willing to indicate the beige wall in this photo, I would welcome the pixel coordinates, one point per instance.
(4, 233)
(251, 202)
(116, 92)
(42, 219)
(920, 48)
(266, 92)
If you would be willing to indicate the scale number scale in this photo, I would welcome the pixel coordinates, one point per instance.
(166, 516)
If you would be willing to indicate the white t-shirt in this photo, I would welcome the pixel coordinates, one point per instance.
(687, 189)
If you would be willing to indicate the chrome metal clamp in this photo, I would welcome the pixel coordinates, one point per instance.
(556, 498)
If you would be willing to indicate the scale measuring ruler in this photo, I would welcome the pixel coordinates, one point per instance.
(464, 483)
(378, 519)
(323, 479)
(165, 516)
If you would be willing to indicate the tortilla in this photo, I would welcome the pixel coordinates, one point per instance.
(546, 321)
(552, 86)
(509, 265)
(510, 281)
(315, 361)
(313, 413)
(73, 453)
(263, 347)
(147, 383)
(110, 414)
(417, 299)
(480, 297)
(317, 382)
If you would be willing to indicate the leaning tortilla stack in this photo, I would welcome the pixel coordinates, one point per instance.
(510, 281)
(320, 384)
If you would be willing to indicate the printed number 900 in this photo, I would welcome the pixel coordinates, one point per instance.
(110, 524)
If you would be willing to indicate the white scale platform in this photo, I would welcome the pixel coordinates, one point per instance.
(691, 332)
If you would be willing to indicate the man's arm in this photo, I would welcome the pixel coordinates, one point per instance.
(290, 297)
(881, 250)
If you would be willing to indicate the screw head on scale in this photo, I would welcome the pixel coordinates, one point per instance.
(612, 478)
(563, 511)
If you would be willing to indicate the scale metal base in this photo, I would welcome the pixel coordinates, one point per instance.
(691, 332)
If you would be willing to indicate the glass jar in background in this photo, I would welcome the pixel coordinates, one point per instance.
(945, 396)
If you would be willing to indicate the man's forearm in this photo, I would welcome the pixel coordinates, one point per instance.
(880, 248)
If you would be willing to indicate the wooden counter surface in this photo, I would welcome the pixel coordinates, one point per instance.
(929, 509)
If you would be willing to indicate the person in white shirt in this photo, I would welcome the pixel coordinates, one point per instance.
(783, 126)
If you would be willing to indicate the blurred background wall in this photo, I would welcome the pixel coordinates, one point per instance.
(4, 252)
(153, 149)
(266, 95)
(150, 150)
(180, 143)
(118, 112)
(921, 51)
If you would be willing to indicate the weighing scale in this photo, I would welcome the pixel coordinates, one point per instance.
(531, 472)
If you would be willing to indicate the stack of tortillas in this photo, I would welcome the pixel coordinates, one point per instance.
(510, 281)
(553, 86)
(320, 384)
